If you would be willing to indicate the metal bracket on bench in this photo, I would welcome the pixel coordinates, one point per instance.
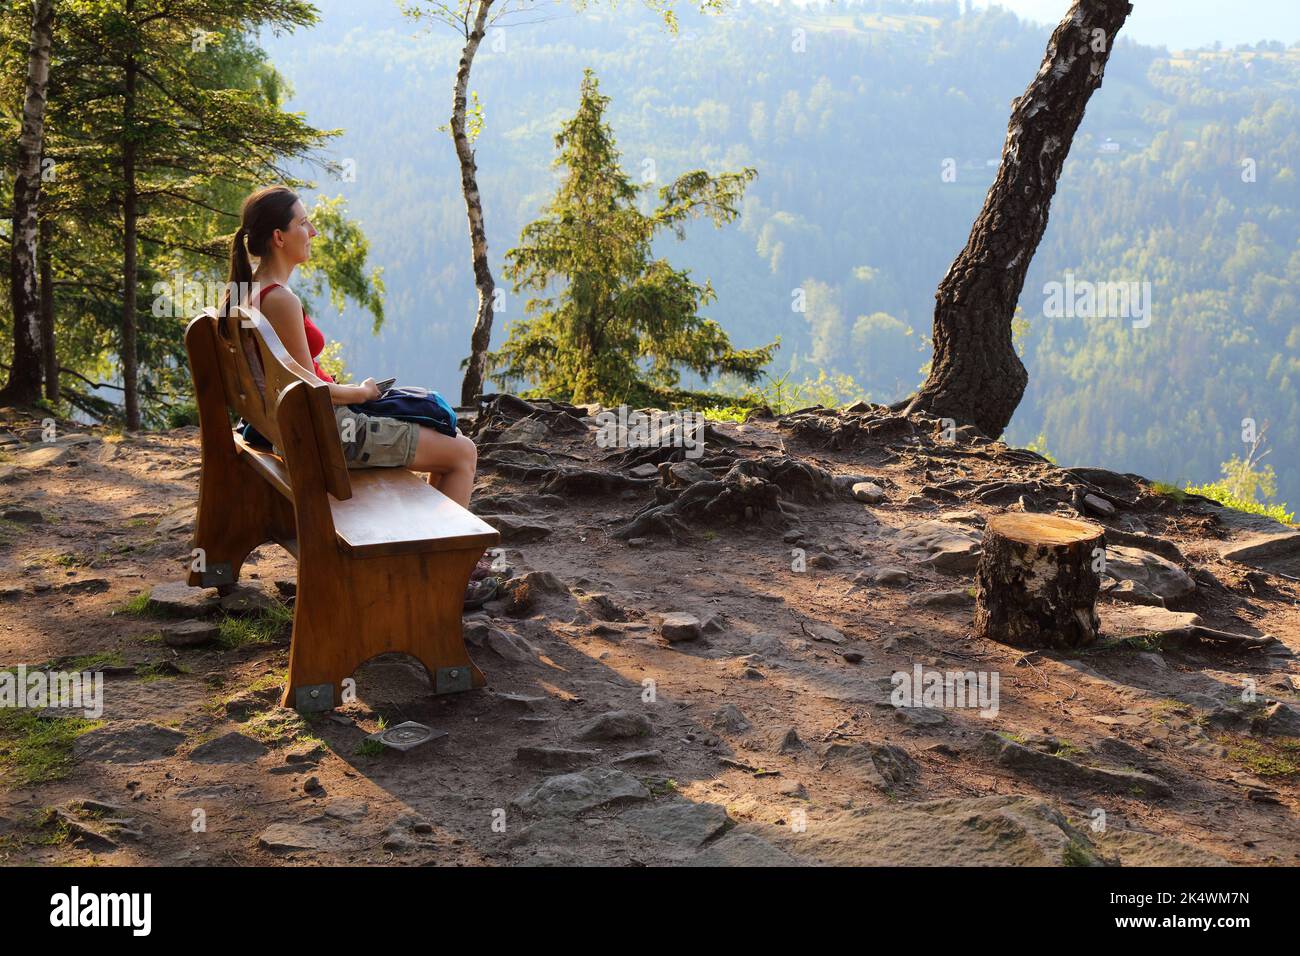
(314, 698)
(217, 574)
(451, 680)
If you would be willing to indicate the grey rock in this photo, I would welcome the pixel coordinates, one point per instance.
(517, 530)
(955, 598)
(1158, 575)
(22, 516)
(285, 837)
(945, 548)
(179, 522)
(1131, 592)
(890, 577)
(1146, 542)
(882, 765)
(786, 741)
(233, 747)
(729, 718)
(1277, 720)
(869, 492)
(131, 741)
(574, 793)
(1262, 547)
(348, 809)
(1016, 756)
(823, 632)
(190, 634)
(920, 716)
(180, 600)
(639, 756)
(1098, 506)
(676, 627)
(678, 822)
(528, 431)
(742, 849)
(979, 831)
(616, 725)
(249, 599)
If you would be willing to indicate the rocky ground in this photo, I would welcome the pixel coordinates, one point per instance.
(691, 663)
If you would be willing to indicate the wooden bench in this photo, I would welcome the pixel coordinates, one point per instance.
(383, 557)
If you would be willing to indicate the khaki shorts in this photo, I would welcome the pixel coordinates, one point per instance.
(373, 442)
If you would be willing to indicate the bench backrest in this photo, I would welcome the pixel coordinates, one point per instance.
(255, 370)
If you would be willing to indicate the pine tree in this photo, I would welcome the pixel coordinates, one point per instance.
(623, 323)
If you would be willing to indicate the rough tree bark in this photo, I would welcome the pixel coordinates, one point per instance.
(976, 376)
(48, 351)
(130, 244)
(24, 294)
(476, 366)
(1035, 585)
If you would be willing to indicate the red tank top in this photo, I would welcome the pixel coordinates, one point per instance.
(315, 338)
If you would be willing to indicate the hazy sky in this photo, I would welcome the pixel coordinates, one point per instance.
(1180, 24)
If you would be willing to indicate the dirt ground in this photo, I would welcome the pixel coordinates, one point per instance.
(769, 738)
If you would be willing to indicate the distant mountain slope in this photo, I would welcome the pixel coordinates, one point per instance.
(873, 147)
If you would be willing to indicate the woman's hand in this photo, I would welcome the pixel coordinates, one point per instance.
(369, 390)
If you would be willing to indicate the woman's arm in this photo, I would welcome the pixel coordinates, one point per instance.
(283, 310)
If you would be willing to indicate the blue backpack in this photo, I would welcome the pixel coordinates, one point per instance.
(410, 403)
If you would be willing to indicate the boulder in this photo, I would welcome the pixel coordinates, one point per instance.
(1161, 577)
(573, 793)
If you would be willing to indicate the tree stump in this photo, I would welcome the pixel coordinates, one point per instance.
(1035, 585)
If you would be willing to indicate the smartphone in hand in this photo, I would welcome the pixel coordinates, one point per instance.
(386, 384)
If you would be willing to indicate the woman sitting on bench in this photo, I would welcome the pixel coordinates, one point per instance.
(275, 229)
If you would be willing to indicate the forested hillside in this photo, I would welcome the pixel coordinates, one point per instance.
(871, 127)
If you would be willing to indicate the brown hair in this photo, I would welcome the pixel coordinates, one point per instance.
(262, 213)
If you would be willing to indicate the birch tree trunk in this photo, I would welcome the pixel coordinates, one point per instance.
(976, 376)
(476, 366)
(24, 294)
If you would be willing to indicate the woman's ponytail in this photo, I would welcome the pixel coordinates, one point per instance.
(241, 271)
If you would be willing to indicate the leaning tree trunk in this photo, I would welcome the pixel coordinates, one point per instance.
(1036, 585)
(476, 364)
(24, 295)
(976, 376)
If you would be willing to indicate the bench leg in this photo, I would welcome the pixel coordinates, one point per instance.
(238, 511)
(351, 610)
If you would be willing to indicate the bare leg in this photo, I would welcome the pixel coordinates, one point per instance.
(450, 463)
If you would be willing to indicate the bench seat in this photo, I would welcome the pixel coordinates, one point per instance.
(391, 511)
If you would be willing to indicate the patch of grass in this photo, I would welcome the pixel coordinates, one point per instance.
(1162, 710)
(263, 627)
(86, 662)
(1012, 736)
(1168, 490)
(369, 748)
(1266, 758)
(276, 727)
(1076, 854)
(9, 530)
(36, 750)
(157, 670)
(139, 606)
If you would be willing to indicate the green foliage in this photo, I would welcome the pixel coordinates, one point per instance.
(622, 320)
(207, 127)
(1039, 445)
(1221, 492)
